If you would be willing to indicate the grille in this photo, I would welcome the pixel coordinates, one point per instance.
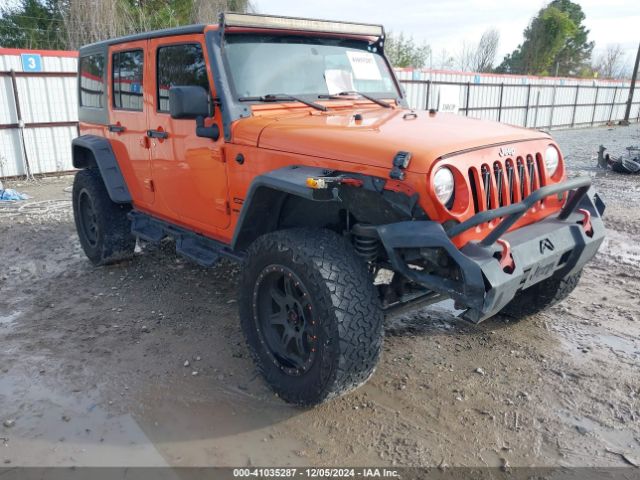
(505, 181)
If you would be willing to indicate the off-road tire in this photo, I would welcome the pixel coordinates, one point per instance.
(345, 306)
(541, 296)
(110, 240)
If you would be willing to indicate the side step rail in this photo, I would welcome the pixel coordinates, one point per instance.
(200, 249)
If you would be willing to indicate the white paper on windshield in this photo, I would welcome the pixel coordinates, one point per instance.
(364, 66)
(338, 81)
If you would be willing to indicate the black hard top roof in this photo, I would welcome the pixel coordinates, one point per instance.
(249, 20)
(165, 32)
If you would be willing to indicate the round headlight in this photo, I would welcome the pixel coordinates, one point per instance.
(444, 185)
(551, 159)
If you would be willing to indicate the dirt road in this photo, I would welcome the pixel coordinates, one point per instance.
(93, 361)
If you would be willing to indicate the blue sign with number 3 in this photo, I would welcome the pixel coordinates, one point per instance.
(31, 62)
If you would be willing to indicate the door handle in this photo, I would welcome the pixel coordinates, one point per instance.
(157, 134)
(116, 128)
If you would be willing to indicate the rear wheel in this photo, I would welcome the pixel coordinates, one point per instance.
(541, 296)
(103, 227)
(310, 314)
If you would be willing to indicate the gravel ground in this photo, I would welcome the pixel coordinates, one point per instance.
(93, 360)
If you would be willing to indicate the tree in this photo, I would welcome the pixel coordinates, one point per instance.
(112, 18)
(464, 60)
(69, 24)
(610, 63)
(481, 56)
(486, 51)
(575, 55)
(555, 42)
(32, 24)
(545, 36)
(405, 52)
(445, 61)
(84, 25)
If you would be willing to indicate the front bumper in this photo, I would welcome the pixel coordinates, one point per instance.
(558, 245)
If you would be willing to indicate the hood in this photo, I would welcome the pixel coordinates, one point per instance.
(379, 135)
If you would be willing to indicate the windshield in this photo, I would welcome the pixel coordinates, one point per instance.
(260, 65)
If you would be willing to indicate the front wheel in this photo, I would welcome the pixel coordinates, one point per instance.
(542, 295)
(310, 314)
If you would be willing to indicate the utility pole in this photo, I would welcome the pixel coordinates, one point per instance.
(632, 88)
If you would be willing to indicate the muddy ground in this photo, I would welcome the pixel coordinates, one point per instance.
(92, 360)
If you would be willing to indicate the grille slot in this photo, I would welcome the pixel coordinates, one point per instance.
(510, 180)
(474, 190)
(486, 186)
(521, 177)
(532, 172)
(498, 173)
(513, 179)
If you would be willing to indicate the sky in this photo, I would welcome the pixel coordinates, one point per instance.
(446, 24)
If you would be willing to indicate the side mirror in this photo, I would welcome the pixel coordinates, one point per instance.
(189, 102)
(193, 102)
(212, 132)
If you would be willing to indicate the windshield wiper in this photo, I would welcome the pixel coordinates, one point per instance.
(382, 103)
(278, 97)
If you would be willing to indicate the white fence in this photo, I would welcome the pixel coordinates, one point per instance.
(38, 109)
(534, 102)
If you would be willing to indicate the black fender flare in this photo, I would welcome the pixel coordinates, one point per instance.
(268, 193)
(90, 151)
(270, 187)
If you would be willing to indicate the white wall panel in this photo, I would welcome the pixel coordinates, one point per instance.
(49, 148)
(10, 62)
(11, 159)
(7, 105)
(539, 93)
(43, 99)
(39, 105)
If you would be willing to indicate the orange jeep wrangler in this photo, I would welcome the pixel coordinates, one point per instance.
(287, 144)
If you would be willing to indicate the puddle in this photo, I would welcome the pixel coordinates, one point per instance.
(439, 317)
(54, 428)
(620, 345)
(621, 248)
(219, 427)
(620, 440)
(581, 340)
(7, 320)
(445, 308)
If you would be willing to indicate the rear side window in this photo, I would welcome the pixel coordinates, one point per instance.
(179, 65)
(92, 81)
(127, 72)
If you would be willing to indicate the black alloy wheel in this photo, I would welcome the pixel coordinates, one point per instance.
(284, 319)
(87, 218)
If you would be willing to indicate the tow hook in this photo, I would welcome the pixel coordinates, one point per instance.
(586, 222)
(505, 258)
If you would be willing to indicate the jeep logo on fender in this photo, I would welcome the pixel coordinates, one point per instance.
(545, 245)
(506, 151)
